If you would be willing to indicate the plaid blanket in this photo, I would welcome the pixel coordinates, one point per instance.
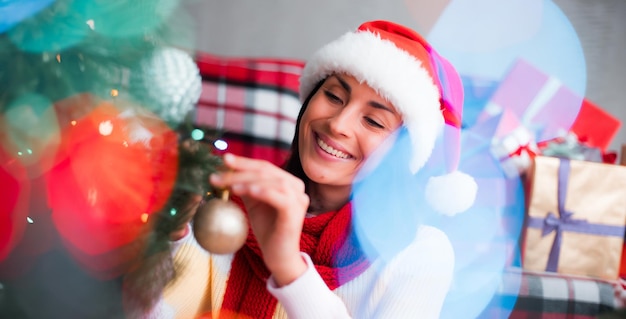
(254, 102)
(524, 294)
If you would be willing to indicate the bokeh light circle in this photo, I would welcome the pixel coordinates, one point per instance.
(110, 172)
(497, 33)
(389, 208)
(54, 29)
(14, 205)
(14, 11)
(31, 132)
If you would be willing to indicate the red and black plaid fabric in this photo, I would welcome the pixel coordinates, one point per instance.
(253, 101)
(525, 295)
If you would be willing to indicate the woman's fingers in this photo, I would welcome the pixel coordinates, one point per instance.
(280, 195)
(247, 174)
(235, 162)
(259, 180)
(276, 191)
(276, 203)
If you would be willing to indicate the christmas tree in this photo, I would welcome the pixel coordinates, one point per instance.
(98, 156)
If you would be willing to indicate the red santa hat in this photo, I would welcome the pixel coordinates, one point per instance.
(424, 87)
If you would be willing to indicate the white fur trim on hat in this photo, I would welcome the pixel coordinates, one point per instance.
(396, 75)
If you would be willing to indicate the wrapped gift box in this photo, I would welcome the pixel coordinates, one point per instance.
(253, 102)
(539, 101)
(595, 126)
(575, 219)
(515, 151)
(570, 146)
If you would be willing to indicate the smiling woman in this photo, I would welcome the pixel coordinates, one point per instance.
(344, 122)
(301, 258)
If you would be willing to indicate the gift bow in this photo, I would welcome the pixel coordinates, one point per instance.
(556, 224)
(523, 148)
(566, 222)
(553, 223)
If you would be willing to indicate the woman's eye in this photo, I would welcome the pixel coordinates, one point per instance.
(332, 97)
(373, 123)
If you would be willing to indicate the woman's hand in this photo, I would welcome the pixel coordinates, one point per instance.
(276, 205)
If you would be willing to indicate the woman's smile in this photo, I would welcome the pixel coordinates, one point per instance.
(330, 150)
(344, 122)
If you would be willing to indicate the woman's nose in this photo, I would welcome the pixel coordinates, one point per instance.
(343, 121)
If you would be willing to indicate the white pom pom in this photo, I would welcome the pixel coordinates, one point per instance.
(452, 193)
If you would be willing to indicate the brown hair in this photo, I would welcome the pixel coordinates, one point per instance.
(293, 164)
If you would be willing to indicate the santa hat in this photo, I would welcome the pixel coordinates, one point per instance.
(424, 87)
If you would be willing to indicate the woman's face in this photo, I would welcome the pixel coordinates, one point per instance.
(343, 124)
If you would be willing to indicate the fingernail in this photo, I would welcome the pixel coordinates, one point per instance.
(228, 157)
(215, 178)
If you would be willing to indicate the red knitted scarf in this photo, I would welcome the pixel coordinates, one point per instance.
(326, 238)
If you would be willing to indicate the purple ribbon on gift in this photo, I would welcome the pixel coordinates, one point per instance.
(566, 222)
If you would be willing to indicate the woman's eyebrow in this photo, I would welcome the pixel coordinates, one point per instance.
(373, 104)
(343, 83)
(377, 105)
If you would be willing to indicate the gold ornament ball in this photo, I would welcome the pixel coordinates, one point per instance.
(220, 227)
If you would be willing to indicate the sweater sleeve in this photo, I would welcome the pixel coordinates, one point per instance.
(175, 244)
(161, 309)
(415, 283)
(308, 296)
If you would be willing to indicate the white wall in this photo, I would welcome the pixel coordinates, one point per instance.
(295, 28)
(601, 27)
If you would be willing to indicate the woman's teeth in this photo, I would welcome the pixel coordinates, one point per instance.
(328, 149)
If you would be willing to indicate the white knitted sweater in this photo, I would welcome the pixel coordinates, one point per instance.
(412, 285)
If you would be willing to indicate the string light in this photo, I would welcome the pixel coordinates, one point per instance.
(220, 144)
(91, 24)
(197, 134)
